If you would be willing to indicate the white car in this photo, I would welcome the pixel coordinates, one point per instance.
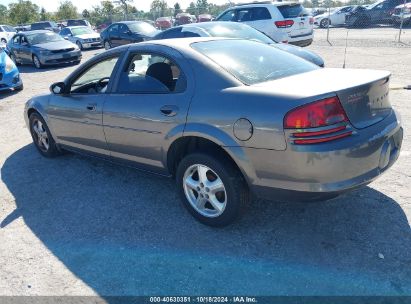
(83, 36)
(281, 21)
(6, 33)
(335, 17)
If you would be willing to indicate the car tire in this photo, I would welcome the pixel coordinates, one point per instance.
(107, 45)
(77, 62)
(325, 23)
(19, 88)
(37, 62)
(80, 45)
(42, 138)
(213, 207)
(3, 40)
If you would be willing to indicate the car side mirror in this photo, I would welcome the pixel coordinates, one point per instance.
(58, 88)
(129, 33)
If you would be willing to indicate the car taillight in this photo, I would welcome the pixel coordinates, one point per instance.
(284, 23)
(328, 115)
(311, 20)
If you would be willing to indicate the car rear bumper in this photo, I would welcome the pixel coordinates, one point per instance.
(326, 168)
(10, 80)
(61, 58)
(301, 40)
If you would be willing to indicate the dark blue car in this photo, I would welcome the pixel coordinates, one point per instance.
(9, 74)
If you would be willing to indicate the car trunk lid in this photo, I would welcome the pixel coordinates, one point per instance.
(364, 94)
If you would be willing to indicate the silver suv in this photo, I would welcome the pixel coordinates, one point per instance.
(282, 21)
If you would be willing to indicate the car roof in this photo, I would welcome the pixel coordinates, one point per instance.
(181, 43)
(36, 32)
(129, 22)
(264, 4)
(76, 26)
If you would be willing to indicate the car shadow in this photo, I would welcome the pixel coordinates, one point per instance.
(28, 69)
(124, 232)
(7, 93)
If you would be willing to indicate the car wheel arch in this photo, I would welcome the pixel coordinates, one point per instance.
(186, 145)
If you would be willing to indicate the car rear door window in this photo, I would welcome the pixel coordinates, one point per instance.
(113, 29)
(260, 13)
(227, 16)
(151, 73)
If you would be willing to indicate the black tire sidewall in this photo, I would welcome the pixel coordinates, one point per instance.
(37, 67)
(52, 151)
(236, 189)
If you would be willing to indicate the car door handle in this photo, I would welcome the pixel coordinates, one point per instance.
(91, 106)
(169, 110)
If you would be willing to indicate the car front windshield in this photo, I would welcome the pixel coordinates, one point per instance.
(253, 62)
(371, 6)
(142, 28)
(40, 38)
(81, 31)
(236, 30)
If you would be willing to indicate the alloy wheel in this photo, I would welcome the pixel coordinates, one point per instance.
(204, 190)
(40, 135)
(107, 45)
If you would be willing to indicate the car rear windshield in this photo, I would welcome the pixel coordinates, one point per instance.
(253, 62)
(43, 38)
(292, 10)
(142, 28)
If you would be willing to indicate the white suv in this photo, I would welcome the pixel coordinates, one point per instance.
(282, 21)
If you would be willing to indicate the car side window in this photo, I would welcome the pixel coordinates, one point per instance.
(151, 73)
(23, 40)
(113, 29)
(16, 39)
(260, 13)
(96, 78)
(64, 32)
(123, 29)
(227, 16)
(1, 29)
(244, 15)
(173, 33)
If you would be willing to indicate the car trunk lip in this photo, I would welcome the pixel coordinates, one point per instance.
(364, 94)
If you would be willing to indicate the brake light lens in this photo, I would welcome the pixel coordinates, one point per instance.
(284, 23)
(311, 20)
(327, 114)
(317, 114)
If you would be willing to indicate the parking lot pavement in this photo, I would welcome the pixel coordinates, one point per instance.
(79, 226)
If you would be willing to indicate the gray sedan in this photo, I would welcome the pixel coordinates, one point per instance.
(224, 124)
(83, 36)
(42, 48)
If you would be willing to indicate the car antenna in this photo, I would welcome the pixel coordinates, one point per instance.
(345, 50)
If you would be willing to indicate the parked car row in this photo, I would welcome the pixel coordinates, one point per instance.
(380, 12)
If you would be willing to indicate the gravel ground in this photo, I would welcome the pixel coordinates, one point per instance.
(79, 226)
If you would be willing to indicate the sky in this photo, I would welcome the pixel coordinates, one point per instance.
(51, 5)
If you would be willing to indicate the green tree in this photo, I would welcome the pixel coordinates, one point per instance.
(202, 6)
(177, 9)
(3, 13)
(23, 11)
(43, 14)
(158, 8)
(66, 10)
(85, 13)
(192, 9)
